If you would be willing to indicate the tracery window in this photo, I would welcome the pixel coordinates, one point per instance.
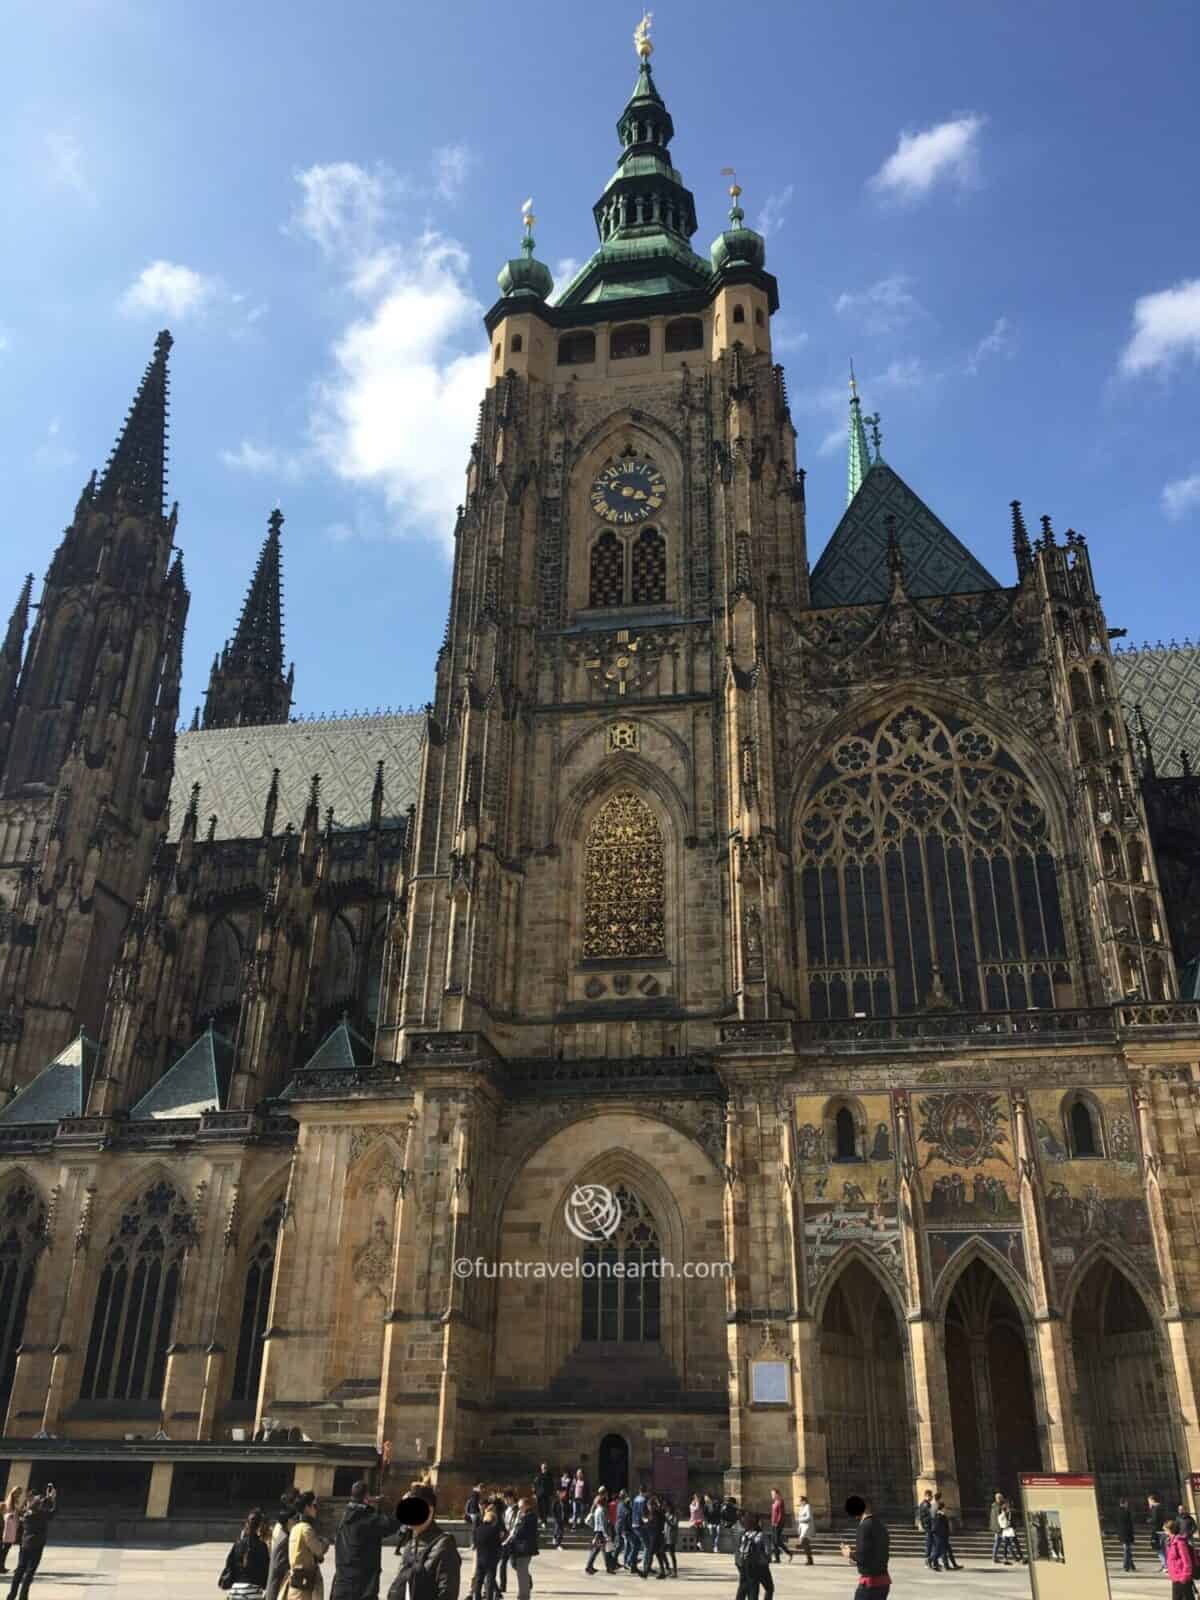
(648, 569)
(624, 881)
(607, 585)
(135, 1299)
(221, 977)
(629, 571)
(62, 682)
(256, 1301)
(621, 1290)
(927, 877)
(22, 1234)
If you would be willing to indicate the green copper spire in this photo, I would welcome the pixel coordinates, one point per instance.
(738, 245)
(859, 463)
(524, 275)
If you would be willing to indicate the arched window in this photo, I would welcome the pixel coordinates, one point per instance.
(739, 313)
(576, 349)
(759, 319)
(1084, 1128)
(256, 1301)
(846, 1144)
(631, 340)
(135, 1300)
(518, 344)
(648, 569)
(66, 664)
(339, 985)
(685, 333)
(606, 584)
(22, 1232)
(375, 971)
(624, 889)
(621, 1293)
(927, 876)
(42, 756)
(221, 979)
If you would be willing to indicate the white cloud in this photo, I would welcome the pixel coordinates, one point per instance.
(264, 459)
(169, 289)
(564, 270)
(343, 206)
(911, 373)
(834, 440)
(451, 163)
(1166, 325)
(1181, 496)
(885, 307)
(784, 336)
(948, 150)
(52, 452)
(996, 343)
(66, 164)
(770, 218)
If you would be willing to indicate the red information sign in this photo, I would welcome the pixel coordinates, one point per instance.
(1055, 1480)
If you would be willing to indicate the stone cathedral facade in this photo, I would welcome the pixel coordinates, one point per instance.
(808, 906)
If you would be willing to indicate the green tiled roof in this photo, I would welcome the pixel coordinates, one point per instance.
(342, 1046)
(853, 567)
(1165, 681)
(59, 1090)
(198, 1082)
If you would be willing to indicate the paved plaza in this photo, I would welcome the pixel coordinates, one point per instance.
(189, 1572)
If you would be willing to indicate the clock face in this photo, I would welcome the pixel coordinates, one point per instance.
(628, 491)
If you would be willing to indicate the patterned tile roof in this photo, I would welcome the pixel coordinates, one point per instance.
(233, 767)
(853, 569)
(198, 1082)
(1165, 681)
(59, 1090)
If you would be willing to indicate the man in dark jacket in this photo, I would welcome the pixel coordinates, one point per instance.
(430, 1568)
(356, 1547)
(34, 1526)
(543, 1488)
(1125, 1533)
(925, 1523)
(1156, 1517)
(869, 1552)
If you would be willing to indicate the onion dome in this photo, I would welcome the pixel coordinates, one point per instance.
(738, 246)
(525, 276)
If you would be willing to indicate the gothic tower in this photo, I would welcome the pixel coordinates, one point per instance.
(247, 685)
(87, 737)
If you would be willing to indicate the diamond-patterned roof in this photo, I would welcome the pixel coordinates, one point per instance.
(59, 1090)
(233, 767)
(1165, 681)
(853, 567)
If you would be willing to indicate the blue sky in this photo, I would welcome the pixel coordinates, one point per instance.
(991, 208)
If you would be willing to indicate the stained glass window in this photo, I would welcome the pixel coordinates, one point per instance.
(622, 1292)
(624, 893)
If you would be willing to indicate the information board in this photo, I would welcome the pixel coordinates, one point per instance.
(769, 1383)
(1062, 1531)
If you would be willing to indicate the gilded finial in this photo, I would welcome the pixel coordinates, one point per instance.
(642, 41)
(853, 383)
(736, 214)
(527, 216)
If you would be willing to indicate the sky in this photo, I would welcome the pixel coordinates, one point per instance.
(990, 208)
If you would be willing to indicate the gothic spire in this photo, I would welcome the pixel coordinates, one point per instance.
(247, 683)
(859, 461)
(1022, 550)
(14, 639)
(137, 468)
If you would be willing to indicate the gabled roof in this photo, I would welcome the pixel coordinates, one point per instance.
(853, 567)
(198, 1082)
(59, 1090)
(342, 1047)
(233, 767)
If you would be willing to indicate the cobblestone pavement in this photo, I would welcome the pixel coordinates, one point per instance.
(189, 1572)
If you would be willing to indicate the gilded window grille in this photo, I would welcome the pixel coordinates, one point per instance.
(648, 568)
(607, 585)
(624, 881)
(928, 878)
(621, 1293)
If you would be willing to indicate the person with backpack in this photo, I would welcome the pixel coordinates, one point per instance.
(487, 1536)
(1181, 1564)
(248, 1564)
(730, 1520)
(358, 1546)
(752, 1557)
(522, 1545)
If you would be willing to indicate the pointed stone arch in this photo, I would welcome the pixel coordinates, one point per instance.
(22, 1242)
(372, 1194)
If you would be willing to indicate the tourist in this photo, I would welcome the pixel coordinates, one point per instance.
(779, 1545)
(578, 1499)
(752, 1557)
(696, 1519)
(869, 1551)
(712, 1520)
(306, 1551)
(522, 1544)
(925, 1523)
(804, 1528)
(1180, 1566)
(729, 1517)
(671, 1536)
(1185, 1522)
(430, 1568)
(473, 1510)
(488, 1534)
(1156, 1517)
(277, 1561)
(358, 1545)
(10, 1532)
(656, 1535)
(943, 1555)
(560, 1513)
(34, 1525)
(637, 1514)
(1125, 1533)
(507, 1508)
(543, 1484)
(248, 1563)
(598, 1522)
(1005, 1544)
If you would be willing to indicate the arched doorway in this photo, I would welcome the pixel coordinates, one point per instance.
(864, 1394)
(613, 1462)
(1125, 1389)
(992, 1409)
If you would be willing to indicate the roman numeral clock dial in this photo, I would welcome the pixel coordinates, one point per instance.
(628, 492)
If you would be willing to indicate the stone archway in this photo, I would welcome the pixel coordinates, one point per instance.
(864, 1392)
(993, 1406)
(612, 1462)
(1126, 1393)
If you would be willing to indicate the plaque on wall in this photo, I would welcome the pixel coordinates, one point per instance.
(769, 1383)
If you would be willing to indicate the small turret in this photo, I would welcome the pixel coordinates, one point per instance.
(525, 276)
(247, 685)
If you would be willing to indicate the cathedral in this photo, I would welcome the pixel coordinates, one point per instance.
(835, 918)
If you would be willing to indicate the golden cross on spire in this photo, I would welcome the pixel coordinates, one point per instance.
(527, 214)
(642, 42)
